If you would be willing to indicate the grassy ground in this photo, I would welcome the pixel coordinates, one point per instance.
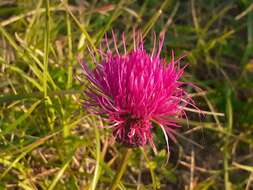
(47, 141)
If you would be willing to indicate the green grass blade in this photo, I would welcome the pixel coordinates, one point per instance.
(46, 48)
(70, 52)
(83, 30)
(59, 174)
(98, 158)
(21, 119)
(28, 149)
(229, 114)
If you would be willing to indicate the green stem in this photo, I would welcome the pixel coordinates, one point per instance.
(122, 168)
(46, 48)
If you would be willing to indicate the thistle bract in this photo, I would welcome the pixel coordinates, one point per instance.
(134, 89)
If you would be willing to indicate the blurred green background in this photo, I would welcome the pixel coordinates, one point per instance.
(47, 141)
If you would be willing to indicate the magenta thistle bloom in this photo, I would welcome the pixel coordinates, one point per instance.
(134, 89)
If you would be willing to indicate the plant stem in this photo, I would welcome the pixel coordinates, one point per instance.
(121, 169)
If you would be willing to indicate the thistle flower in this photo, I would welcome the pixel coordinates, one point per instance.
(134, 89)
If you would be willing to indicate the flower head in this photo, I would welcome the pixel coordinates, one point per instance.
(135, 89)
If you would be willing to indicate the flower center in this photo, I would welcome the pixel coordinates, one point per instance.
(133, 131)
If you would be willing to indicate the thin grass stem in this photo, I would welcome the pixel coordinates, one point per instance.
(122, 168)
